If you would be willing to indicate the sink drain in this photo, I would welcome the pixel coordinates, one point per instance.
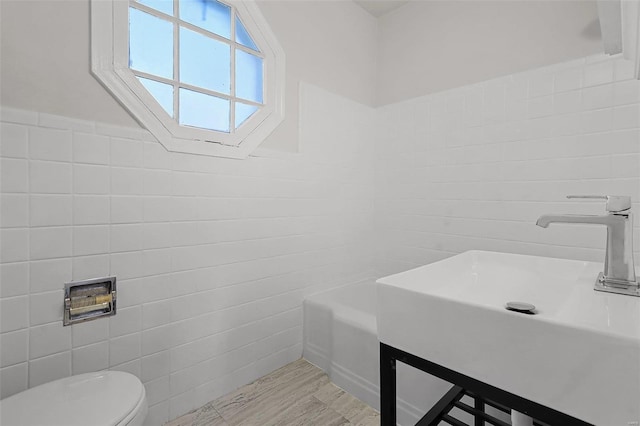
(522, 307)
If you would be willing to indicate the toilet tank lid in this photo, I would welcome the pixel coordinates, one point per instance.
(99, 399)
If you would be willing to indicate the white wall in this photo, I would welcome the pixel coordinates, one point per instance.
(46, 69)
(213, 256)
(474, 167)
(430, 46)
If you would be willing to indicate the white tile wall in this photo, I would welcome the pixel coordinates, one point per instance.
(213, 256)
(473, 167)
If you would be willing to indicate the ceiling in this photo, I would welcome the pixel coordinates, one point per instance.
(380, 7)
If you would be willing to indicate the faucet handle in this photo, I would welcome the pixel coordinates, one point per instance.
(615, 203)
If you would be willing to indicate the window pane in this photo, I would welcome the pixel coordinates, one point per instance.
(248, 76)
(163, 93)
(164, 6)
(150, 44)
(204, 62)
(205, 111)
(208, 14)
(243, 37)
(243, 111)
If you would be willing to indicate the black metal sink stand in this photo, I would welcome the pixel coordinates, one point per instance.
(482, 393)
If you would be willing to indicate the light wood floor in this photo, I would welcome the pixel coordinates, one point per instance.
(297, 394)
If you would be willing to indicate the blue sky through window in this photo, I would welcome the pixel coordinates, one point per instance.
(150, 44)
(204, 62)
(243, 37)
(163, 93)
(207, 14)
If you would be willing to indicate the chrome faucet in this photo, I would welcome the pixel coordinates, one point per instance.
(619, 274)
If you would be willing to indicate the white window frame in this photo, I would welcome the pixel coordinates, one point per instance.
(110, 65)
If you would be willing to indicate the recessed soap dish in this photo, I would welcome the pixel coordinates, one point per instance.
(89, 299)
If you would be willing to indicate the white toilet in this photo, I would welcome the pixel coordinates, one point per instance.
(108, 398)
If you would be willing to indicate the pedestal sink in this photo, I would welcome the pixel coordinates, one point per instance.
(578, 354)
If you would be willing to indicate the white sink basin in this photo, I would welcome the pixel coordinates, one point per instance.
(580, 354)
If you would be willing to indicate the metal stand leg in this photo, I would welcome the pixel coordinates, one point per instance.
(482, 393)
(479, 405)
(387, 387)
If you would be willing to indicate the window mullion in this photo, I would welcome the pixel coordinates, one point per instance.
(232, 89)
(176, 61)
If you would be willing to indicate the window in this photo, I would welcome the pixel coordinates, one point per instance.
(204, 76)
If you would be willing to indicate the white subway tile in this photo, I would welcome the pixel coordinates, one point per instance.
(127, 181)
(181, 404)
(49, 275)
(158, 414)
(45, 308)
(124, 349)
(89, 240)
(90, 332)
(541, 106)
(156, 235)
(626, 117)
(130, 292)
(598, 73)
(627, 92)
(156, 262)
(14, 348)
(14, 279)
(597, 97)
(126, 209)
(158, 339)
(126, 321)
(156, 314)
(15, 245)
(540, 84)
(157, 182)
(90, 148)
(156, 156)
(90, 358)
(50, 177)
(132, 132)
(597, 121)
(568, 79)
(51, 210)
(156, 365)
(91, 209)
(517, 87)
(49, 144)
(48, 243)
(126, 152)
(49, 339)
(158, 209)
(132, 367)
(14, 379)
(127, 265)
(50, 368)
(14, 175)
(624, 69)
(14, 210)
(625, 141)
(127, 237)
(625, 166)
(184, 208)
(90, 179)
(157, 390)
(15, 115)
(14, 140)
(86, 267)
(567, 102)
(66, 123)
